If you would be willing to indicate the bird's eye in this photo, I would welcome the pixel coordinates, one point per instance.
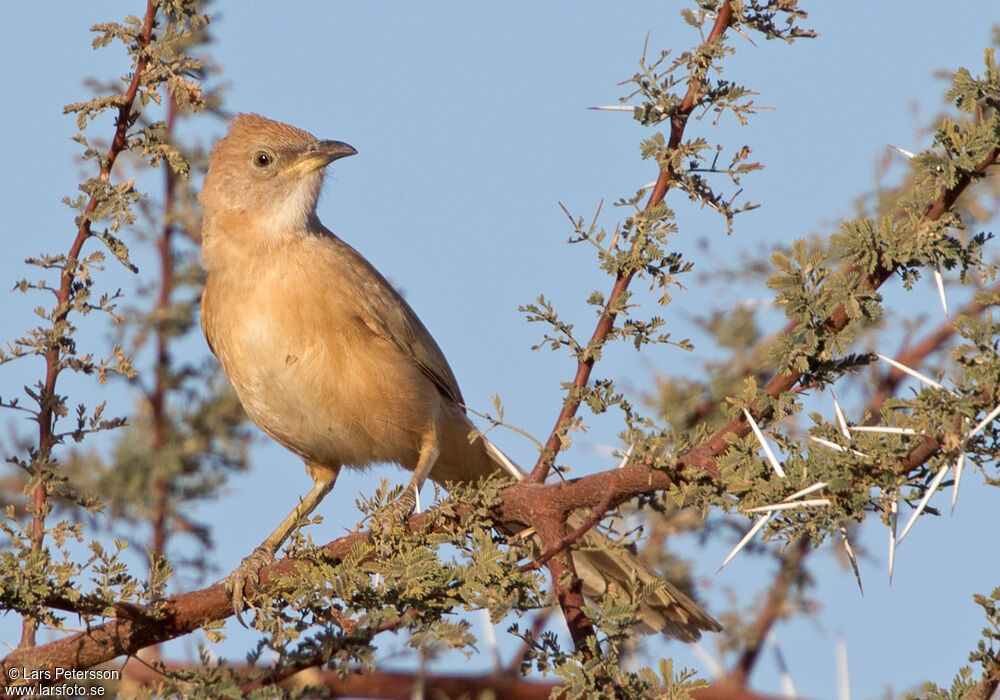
(262, 159)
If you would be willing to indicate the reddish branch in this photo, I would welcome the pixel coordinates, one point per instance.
(567, 585)
(401, 686)
(569, 594)
(372, 684)
(988, 684)
(911, 356)
(705, 454)
(569, 540)
(544, 506)
(381, 684)
(47, 402)
(139, 627)
(606, 322)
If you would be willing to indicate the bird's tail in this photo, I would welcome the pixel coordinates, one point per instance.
(602, 567)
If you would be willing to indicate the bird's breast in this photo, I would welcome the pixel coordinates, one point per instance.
(308, 371)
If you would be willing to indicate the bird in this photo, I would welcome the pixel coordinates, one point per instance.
(329, 360)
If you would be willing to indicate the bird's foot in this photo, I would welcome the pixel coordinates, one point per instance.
(396, 513)
(247, 572)
(406, 504)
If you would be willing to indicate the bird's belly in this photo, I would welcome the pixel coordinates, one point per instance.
(306, 388)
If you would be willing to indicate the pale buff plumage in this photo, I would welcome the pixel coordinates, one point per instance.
(328, 359)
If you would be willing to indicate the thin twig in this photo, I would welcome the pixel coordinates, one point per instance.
(46, 414)
(606, 322)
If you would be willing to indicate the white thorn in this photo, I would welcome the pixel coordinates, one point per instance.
(785, 678)
(790, 502)
(931, 488)
(745, 36)
(893, 519)
(416, 506)
(648, 186)
(850, 555)
(712, 665)
(613, 108)
(841, 421)
(959, 465)
(712, 16)
(888, 429)
(834, 446)
(982, 424)
(939, 281)
(490, 637)
(788, 506)
(904, 152)
(807, 490)
(763, 443)
(912, 372)
(827, 443)
(746, 538)
(843, 675)
(626, 457)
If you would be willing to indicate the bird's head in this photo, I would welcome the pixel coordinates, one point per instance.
(264, 179)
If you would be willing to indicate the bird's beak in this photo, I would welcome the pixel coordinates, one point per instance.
(321, 155)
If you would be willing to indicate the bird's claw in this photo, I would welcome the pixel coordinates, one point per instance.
(247, 572)
(397, 512)
(405, 504)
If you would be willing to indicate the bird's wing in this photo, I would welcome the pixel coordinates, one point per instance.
(388, 315)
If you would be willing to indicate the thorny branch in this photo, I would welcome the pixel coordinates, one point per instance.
(704, 455)
(177, 615)
(570, 597)
(46, 435)
(606, 321)
(914, 355)
(521, 503)
(402, 686)
(138, 627)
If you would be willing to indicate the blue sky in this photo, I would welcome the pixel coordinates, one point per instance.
(471, 127)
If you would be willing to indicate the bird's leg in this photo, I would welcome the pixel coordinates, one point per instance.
(430, 450)
(249, 568)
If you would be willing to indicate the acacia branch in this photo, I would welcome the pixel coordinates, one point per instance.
(138, 627)
(569, 540)
(704, 455)
(180, 614)
(391, 685)
(990, 681)
(606, 322)
(567, 585)
(914, 355)
(47, 438)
